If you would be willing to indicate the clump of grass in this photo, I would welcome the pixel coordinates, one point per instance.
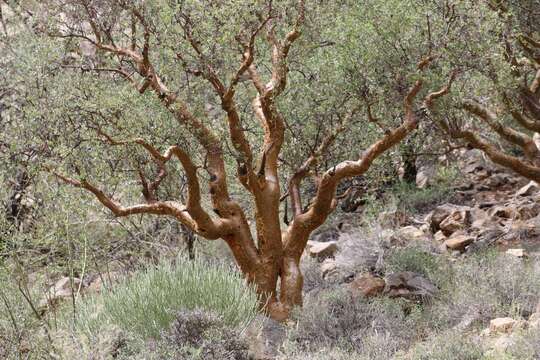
(527, 347)
(488, 285)
(146, 304)
(197, 334)
(419, 259)
(335, 320)
(447, 346)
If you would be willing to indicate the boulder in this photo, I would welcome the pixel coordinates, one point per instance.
(328, 267)
(502, 325)
(439, 236)
(367, 285)
(410, 233)
(459, 241)
(409, 285)
(528, 210)
(529, 189)
(499, 180)
(534, 320)
(392, 219)
(264, 337)
(62, 289)
(322, 250)
(476, 161)
(326, 235)
(507, 211)
(516, 252)
(450, 218)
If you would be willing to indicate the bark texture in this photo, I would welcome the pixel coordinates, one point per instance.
(271, 255)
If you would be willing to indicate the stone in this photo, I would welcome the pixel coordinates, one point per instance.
(536, 139)
(328, 267)
(502, 343)
(529, 189)
(410, 233)
(528, 210)
(392, 219)
(422, 179)
(504, 211)
(449, 218)
(459, 241)
(367, 285)
(264, 337)
(475, 161)
(62, 289)
(439, 236)
(502, 325)
(458, 220)
(326, 235)
(409, 285)
(534, 321)
(516, 252)
(322, 250)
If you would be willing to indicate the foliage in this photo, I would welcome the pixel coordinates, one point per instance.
(200, 335)
(146, 304)
(416, 258)
(447, 346)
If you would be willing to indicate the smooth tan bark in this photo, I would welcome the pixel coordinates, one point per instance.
(272, 254)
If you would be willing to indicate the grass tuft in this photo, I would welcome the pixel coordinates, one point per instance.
(147, 303)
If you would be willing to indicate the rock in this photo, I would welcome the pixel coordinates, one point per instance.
(409, 285)
(439, 236)
(264, 337)
(62, 289)
(328, 267)
(504, 211)
(459, 241)
(486, 238)
(392, 219)
(480, 219)
(529, 189)
(98, 282)
(516, 252)
(502, 325)
(536, 139)
(475, 161)
(499, 180)
(410, 233)
(367, 285)
(502, 343)
(422, 179)
(326, 235)
(528, 210)
(322, 250)
(458, 220)
(449, 218)
(534, 320)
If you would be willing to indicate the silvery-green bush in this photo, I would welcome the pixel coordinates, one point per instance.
(146, 304)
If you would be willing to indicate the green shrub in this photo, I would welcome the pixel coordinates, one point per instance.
(147, 303)
(488, 285)
(419, 259)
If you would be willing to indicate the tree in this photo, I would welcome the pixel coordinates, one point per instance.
(133, 43)
(512, 111)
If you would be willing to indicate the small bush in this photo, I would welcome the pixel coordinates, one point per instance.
(147, 303)
(448, 346)
(334, 320)
(419, 259)
(486, 286)
(198, 334)
(527, 347)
